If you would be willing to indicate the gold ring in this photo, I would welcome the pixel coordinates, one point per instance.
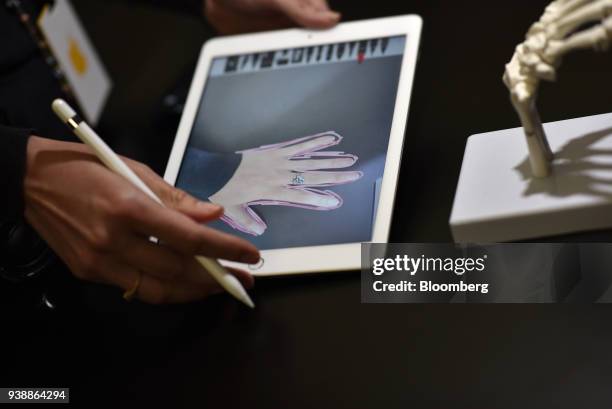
(129, 294)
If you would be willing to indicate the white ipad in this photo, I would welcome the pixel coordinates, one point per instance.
(298, 134)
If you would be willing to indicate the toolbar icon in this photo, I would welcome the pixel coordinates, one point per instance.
(298, 54)
(340, 50)
(268, 59)
(231, 64)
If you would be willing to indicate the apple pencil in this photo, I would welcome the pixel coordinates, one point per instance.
(86, 134)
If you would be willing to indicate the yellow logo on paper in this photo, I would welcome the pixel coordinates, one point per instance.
(77, 58)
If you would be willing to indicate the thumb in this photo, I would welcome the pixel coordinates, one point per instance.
(245, 219)
(308, 14)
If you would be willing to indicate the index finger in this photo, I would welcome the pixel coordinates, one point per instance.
(312, 144)
(182, 234)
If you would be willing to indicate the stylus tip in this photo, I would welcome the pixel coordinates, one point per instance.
(248, 302)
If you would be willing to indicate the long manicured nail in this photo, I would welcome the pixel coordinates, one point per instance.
(250, 258)
(212, 207)
(332, 15)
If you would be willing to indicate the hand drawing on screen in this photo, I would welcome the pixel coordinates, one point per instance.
(289, 173)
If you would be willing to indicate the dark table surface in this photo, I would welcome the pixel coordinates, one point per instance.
(310, 342)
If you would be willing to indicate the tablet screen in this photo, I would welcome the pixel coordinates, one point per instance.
(292, 143)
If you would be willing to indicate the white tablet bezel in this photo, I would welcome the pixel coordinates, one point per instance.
(335, 257)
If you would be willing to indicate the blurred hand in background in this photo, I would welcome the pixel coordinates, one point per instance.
(243, 16)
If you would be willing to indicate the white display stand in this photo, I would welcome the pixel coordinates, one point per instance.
(498, 199)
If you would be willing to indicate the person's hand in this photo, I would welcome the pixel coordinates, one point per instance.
(243, 16)
(285, 174)
(100, 225)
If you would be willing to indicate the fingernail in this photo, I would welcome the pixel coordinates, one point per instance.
(331, 202)
(249, 258)
(355, 177)
(249, 284)
(209, 206)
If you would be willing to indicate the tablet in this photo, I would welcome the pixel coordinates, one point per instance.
(298, 134)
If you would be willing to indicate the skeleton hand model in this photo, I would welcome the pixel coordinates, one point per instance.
(285, 174)
(538, 58)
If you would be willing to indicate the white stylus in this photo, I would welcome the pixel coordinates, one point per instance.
(86, 134)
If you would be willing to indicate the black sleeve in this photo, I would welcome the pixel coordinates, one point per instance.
(204, 173)
(13, 143)
(186, 6)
